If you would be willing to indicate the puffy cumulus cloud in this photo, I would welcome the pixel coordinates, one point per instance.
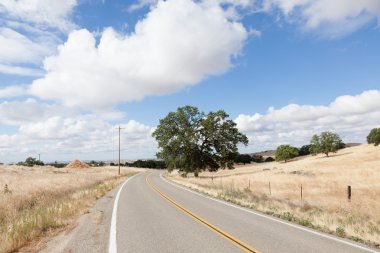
(178, 44)
(16, 113)
(77, 136)
(12, 91)
(329, 18)
(351, 116)
(43, 12)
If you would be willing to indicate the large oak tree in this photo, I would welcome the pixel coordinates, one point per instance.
(192, 141)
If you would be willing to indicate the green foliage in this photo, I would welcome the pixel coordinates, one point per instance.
(192, 140)
(340, 231)
(286, 152)
(305, 222)
(325, 143)
(374, 137)
(287, 216)
(30, 162)
(269, 159)
(257, 159)
(243, 158)
(304, 150)
(149, 164)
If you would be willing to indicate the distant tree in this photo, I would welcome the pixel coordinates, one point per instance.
(193, 141)
(374, 137)
(304, 150)
(286, 152)
(257, 158)
(112, 164)
(30, 162)
(269, 159)
(325, 143)
(243, 158)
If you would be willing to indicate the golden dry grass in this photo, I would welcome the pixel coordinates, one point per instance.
(324, 181)
(42, 200)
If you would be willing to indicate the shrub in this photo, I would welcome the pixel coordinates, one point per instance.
(340, 231)
(304, 150)
(269, 159)
(286, 152)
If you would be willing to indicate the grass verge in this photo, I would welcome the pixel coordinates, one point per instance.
(47, 212)
(345, 222)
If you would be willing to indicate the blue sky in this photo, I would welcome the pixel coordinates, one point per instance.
(70, 71)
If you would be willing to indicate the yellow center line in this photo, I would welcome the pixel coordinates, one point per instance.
(213, 228)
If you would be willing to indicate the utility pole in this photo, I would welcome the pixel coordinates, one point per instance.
(39, 157)
(119, 128)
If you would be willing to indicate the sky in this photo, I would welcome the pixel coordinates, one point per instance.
(72, 71)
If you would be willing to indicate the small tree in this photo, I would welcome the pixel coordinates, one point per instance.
(243, 158)
(325, 143)
(374, 137)
(286, 152)
(269, 159)
(30, 162)
(305, 150)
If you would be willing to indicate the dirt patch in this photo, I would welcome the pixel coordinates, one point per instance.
(76, 164)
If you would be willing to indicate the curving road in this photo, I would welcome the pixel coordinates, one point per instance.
(154, 215)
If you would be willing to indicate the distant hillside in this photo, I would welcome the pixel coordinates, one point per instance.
(272, 153)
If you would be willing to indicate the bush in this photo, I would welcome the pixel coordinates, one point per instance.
(340, 231)
(374, 137)
(243, 158)
(304, 150)
(257, 158)
(286, 152)
(269, 159)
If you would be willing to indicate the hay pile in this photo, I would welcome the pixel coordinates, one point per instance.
(76, 164)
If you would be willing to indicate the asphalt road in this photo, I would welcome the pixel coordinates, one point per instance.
(154, 215)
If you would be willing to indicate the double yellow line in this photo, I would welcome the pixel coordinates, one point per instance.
(213, 228)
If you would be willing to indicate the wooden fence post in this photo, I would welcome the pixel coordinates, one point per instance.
(349, 192)
(270, 190)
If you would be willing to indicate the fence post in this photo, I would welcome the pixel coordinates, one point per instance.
(212, 179)
(270, 190)
(301, 192)
(349, 192)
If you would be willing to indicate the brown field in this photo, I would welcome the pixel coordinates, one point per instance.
(324, 204)
(42, 201)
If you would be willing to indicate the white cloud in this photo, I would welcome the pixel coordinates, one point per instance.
(350, 116)
(12, 91)
(17, 48)
(22, 71)
(30, 30)
(77, 137)
(178, 44)
(329, 18)
(17, 113)
(41, 12)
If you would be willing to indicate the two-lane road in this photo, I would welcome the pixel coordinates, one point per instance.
(154, 215)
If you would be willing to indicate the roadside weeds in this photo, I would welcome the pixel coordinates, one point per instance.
(30, 218)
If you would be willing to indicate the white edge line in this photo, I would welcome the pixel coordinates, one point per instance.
(271, 218)
(112, 241)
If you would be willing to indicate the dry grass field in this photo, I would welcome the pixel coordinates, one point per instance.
(40, 201)
(324, 204)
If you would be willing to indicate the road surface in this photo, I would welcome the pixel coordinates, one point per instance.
(153, 215)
